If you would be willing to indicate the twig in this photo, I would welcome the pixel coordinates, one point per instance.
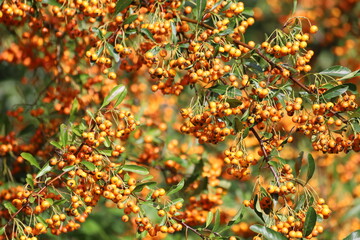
(186, 19)
(189, 227)
(42, 189)
(266, 156)
(272, 64)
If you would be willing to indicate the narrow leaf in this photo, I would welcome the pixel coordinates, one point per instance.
(56, 144)
(353, 236)
(147, 33)
(50, 2)
(112, 52)
(294, 6)
(30, 158)
(267, 232)
(336, 71)
(311, 167)
(74, 109)
(226, 90)
(68, 168)
(141, 186)
(118, 94)
(121, 5)
(298, 163)
(130, 19)
(44, 170)
(11, 208)
(260, 215)
(248, 12)
(351, 75)
(200, 7)
(63, 135)
(136, 169)
(310, 221)
(174, 38)
(29, 180)
(176, 188)
(59, 202)
(335, 91)
(209, 219)
(88, 165)
(217, 221)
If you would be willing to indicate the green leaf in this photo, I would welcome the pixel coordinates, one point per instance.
(121, 5)
(44, 170)
(294, 6)
(118, 94)
(353, 236)
(226, 32)
(51, 2)
(248, 12)
(355, 113)
(229, 91)
(105, 152)
(59, 202)
(11, 208)
(88, 165)
(256, 198)
(336, 71)
(2, 230)
(267, 232)
(74, 109)
(177, 187)
(174, 38)
(237, 218)
(351, 75)
(200, 7)
(42, 220)
(238, 125)
(130, 19)
(310, 221)
(300, 202)
(246, 132)
(32, 199)
(184, 45)
(63, 135)
(68, 168)
(29, 180)
(55, 144)
(30, 158)
(352, 87)
(298, 163)
(335, 91)
(112, 52)
(175, 201)
(311, 167)
(98, 33)
(217, 221)
(107, 142)
(136, 169)
(209, 219)
(141, 186)
(147, 33)
(356, 127)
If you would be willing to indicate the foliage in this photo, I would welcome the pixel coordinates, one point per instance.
(167, 115)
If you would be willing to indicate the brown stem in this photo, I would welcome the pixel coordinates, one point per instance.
(189, 227)
(266, 156)
(272, 64)
(180, 221)
(43, 188)
(186, 19)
